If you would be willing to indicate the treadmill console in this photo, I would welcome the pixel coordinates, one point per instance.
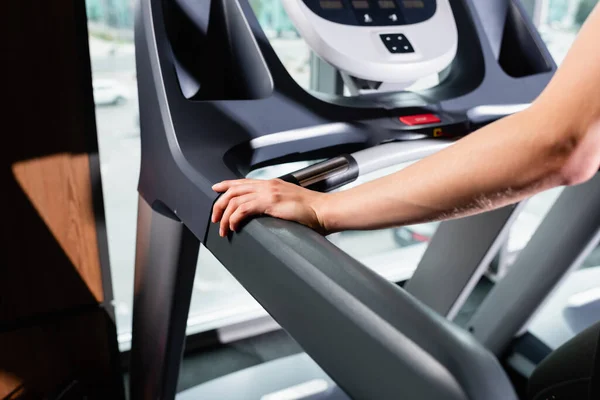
(391, 41)
(373, 12)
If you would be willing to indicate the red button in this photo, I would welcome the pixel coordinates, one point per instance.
(421, 119)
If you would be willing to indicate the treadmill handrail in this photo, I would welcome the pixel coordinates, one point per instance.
(370, 336)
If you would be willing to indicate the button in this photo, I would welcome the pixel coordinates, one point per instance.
(389, 17)
(421, 119)
(371, 13)
(397, 43)
(364, 18)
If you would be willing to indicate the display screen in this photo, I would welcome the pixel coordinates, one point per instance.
(360, 4)
(386, 4)
(413, 3)
(373, 12)
(331, 4)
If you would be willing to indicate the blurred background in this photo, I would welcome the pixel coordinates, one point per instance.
(218, 300)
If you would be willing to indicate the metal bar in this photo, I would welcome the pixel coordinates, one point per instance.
(336, 172)
(562, 241)
(166, 256)
(394, 153)
(489, 113)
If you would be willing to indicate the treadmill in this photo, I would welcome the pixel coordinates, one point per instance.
(216, 102)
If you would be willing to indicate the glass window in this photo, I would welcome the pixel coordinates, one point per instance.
(110, 25)
(559, 21)
(290, 47)
(576, 302)
(218, 299)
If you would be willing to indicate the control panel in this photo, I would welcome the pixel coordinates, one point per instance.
(373, 12)
(397, 43)
(390, 41)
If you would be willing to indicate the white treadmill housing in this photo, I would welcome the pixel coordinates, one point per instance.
(390, 41)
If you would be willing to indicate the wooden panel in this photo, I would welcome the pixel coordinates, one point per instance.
(59, 188)
(52, 330)
(49, 258)
(39, 360)
(37, 275)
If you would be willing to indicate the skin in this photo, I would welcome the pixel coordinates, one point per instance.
(555, 142)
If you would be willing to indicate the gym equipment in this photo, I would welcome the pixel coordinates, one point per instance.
(383, 41)
(216, 102)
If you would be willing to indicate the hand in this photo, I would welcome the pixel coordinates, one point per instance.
(244, 198)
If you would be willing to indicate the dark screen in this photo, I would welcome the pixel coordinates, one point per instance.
(374, 12)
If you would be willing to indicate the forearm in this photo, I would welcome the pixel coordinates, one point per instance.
(479, 173)
(555, 142)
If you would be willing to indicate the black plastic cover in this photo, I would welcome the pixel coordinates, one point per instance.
(375, 340)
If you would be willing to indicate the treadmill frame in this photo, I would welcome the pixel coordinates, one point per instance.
(191, 140)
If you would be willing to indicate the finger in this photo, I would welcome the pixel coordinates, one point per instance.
(225, 185)
(243, 212)
(231, 207)
(221, 204)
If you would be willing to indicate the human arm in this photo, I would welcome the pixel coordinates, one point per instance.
(555, 142)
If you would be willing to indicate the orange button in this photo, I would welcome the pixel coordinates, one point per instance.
(421, 119)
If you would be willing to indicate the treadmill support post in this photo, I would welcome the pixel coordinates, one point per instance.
(567, 234)
(166, 257)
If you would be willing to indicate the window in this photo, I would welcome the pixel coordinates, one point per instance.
(110, 25)
(291, 49)
(559, 21)
(218, 299)
(576, 302)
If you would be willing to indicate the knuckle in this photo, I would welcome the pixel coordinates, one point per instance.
(231, 192)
